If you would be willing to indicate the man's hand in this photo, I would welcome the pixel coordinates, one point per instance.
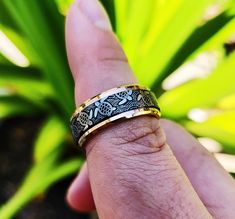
(131, 170)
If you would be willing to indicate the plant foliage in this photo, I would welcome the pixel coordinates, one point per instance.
(160, 37)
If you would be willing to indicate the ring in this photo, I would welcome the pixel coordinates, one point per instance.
(122, 102)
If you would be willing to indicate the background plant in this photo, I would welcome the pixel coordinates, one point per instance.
(163, 39)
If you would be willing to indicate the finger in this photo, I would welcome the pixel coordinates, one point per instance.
(213, 184)
(80, 196)
(93, 51)
(132, 171)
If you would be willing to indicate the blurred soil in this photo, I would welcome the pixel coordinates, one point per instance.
(16, 137)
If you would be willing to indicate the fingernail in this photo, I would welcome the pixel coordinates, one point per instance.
(95, 12)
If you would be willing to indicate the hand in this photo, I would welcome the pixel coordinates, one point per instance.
(133, 170)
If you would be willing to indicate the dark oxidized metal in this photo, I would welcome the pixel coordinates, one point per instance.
(101, 110)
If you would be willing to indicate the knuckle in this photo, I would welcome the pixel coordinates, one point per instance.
(137, 136)
(110, 54)
(144, 133)
(109, 51)
(111, 60)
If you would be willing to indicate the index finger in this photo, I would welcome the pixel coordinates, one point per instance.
(132, 170)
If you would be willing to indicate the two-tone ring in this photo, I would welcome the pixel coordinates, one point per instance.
(122, 102)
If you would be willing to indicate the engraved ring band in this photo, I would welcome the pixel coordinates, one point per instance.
(123, 102)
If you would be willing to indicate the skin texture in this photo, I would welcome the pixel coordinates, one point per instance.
(131, 171)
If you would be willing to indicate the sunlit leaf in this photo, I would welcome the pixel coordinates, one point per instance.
(121, 10)
(49, 46)
(220, 127)
(63, 5)
(136, 26)
(201, 92)
(166, 43)
(225, 20)
(157, 35)
(4, 61)
(52, 135)
(209, 37)
(227, 103)
(21, 43)
(26, 83)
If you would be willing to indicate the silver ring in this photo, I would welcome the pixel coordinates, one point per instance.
(126, 101)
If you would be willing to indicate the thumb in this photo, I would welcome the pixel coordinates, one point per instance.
(132, 171)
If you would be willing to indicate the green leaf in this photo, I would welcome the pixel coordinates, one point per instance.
(40, 177)
(226, 21)
(49, 46)
(219, 127)
(63, 5)
(6, 19)
(200, 93)
(14, 106)
(51, 136)
(156, 53)
(121, 11)
(63, 170)
(25, 82)
(163, 13)
(4, 60)
(208, 37)
(136, 26)
(227, 103)
(22, 44)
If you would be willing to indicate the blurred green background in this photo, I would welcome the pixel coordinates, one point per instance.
(181, 49)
